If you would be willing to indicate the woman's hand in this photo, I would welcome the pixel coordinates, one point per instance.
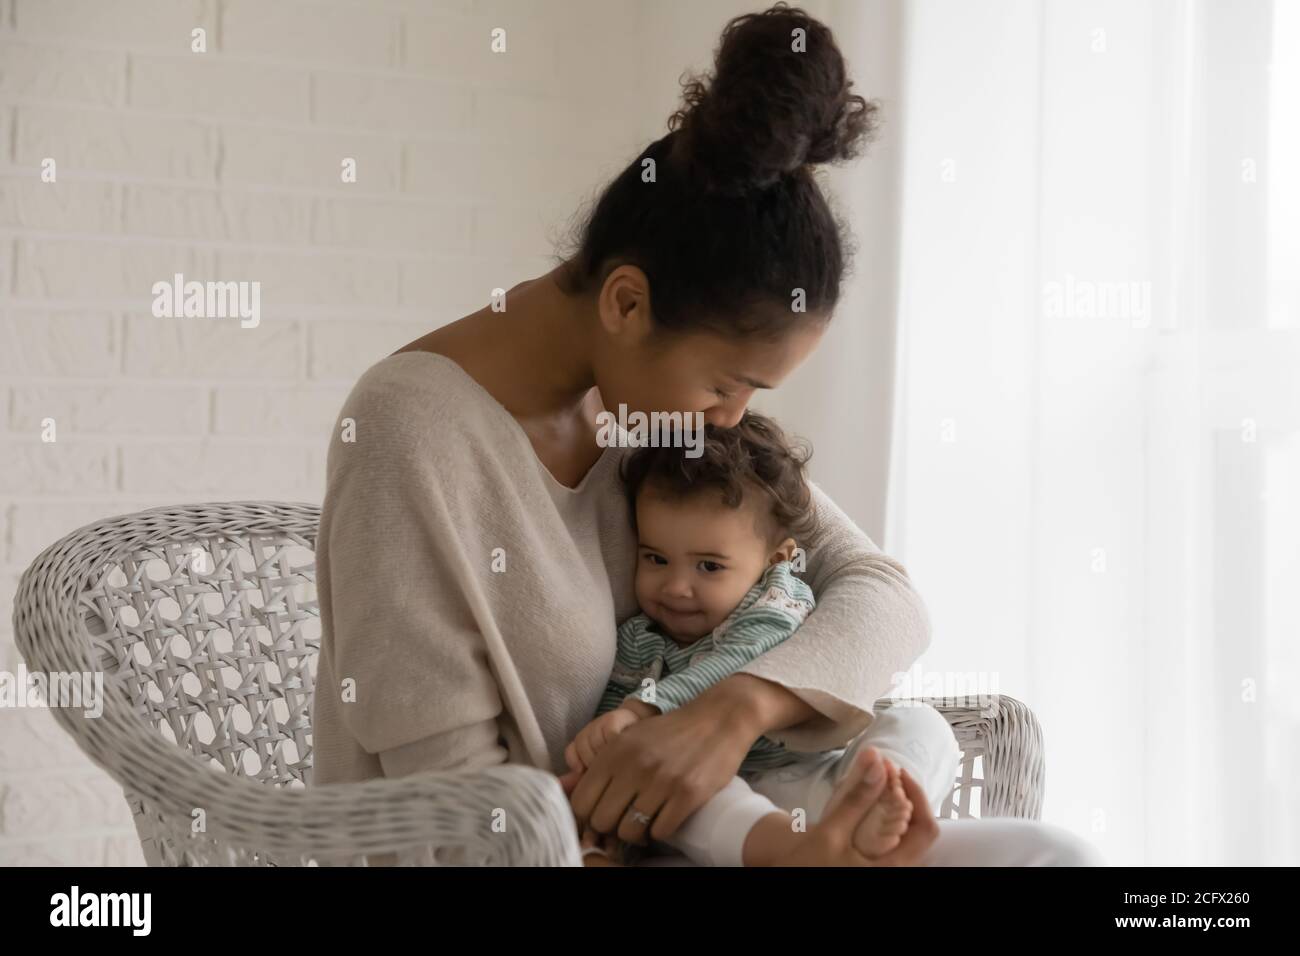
(665, 767)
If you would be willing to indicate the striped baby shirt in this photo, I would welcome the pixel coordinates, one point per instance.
(654, 668)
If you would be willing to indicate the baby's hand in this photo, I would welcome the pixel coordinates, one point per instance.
(584, 747)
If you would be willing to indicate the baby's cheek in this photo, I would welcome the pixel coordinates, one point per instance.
(729, 593)
(641, 586)
(717, 605)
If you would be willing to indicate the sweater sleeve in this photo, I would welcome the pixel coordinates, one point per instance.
(423, 695)
(867, 629)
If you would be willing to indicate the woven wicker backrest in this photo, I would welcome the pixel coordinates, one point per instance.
(214, 637)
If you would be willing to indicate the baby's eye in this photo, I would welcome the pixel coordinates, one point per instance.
(654, 559)
(710, 566)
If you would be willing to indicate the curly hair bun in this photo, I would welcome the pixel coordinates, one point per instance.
(779, 100)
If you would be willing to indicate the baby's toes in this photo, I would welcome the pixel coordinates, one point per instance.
(898, 823)
(894, 795)
(894, 805)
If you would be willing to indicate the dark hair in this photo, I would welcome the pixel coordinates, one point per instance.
(734, 221)
(753, 456)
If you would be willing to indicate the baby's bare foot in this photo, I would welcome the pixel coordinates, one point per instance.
(885, 823)
(860, 819)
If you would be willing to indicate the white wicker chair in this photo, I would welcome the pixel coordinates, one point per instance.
(204, 622)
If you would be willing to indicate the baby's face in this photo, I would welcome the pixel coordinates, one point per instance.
(696, 559)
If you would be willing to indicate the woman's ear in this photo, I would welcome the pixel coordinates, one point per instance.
(784, 552)
(622, 305)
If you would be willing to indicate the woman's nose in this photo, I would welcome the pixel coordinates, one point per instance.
(725, 416)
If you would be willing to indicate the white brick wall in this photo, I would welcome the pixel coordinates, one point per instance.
(225, 165)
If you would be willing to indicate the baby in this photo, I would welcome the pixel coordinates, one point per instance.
(716, 586)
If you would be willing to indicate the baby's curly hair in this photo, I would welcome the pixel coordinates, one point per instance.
(754, 454)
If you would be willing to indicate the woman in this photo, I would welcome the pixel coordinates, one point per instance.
(475, 557)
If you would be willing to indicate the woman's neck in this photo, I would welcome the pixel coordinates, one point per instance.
(536, 353)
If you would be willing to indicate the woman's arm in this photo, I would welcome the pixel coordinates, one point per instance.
(753, 706)
(869, 626)
(412, 688)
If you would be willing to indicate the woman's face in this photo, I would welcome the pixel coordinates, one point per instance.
(700, 372)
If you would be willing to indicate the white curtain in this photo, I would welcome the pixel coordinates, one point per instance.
(1095, 470)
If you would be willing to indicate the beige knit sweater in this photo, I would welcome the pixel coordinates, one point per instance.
(469, 601)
